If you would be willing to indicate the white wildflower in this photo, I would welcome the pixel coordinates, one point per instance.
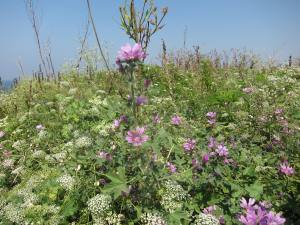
(66, 181)
(172, 196)
(99, 204)
(8, 163)
(152, 218)
(206, 219)
(13, 213)
(83, 142)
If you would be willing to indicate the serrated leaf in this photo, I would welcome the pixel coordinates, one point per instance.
(118, 183)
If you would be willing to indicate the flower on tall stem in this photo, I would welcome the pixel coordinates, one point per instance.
(137, 137)
(286, 169)
(128, 54)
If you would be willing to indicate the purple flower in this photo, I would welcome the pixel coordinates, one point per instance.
(117, 123)
(286, 169)
(210, 209)
(205, 158)
(156, 119)
(273, 218)
(257, 214)
(211, 115)
(141, 100)
(189, 145)
(247, 205)
(172, 168)
(176, 120)
(104, 155)
(40, 127)
(130, 54)
(222, 150)
(248, 90)
(137, 137)
(212, 142)
(123, 118)
(2, 133)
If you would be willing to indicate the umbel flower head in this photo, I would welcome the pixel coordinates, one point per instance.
(137, 137)
(128, 54)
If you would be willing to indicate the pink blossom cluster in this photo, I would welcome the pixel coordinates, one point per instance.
(171, 167)
(212, 117)
(176, 120)
(189, 145)
(141, 100)
(128, 54)
(217, 149)
(286, 169)
(259, 214)
(137, 137)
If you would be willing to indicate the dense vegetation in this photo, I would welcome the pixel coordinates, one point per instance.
(206, 145)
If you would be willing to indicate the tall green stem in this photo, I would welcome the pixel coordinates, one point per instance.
(132, 84)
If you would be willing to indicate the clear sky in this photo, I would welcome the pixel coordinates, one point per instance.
(268, 27)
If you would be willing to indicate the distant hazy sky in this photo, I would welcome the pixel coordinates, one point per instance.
(268, 27)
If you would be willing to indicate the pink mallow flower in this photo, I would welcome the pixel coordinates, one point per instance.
(189, 145)
(171, 167)
(137, 137)
(286, 169)
(176, 120)
(222, 150)
(2, 133)
(128, 54)
(247, 205)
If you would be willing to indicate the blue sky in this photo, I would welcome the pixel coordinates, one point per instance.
(268, 27)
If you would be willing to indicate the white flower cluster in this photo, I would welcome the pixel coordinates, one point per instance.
(152, 218)
(66, 181)
(29, 197)
(18, 144)
(83, 142)
(8, 163)
(206, 219)
(172, 196)
(13, 213)
(99, 205)
(98, 101)
(109, 219)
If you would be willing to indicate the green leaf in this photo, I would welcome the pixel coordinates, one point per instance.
(255, 190)
(118, 183)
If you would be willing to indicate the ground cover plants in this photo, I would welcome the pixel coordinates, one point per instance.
(152, 145)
